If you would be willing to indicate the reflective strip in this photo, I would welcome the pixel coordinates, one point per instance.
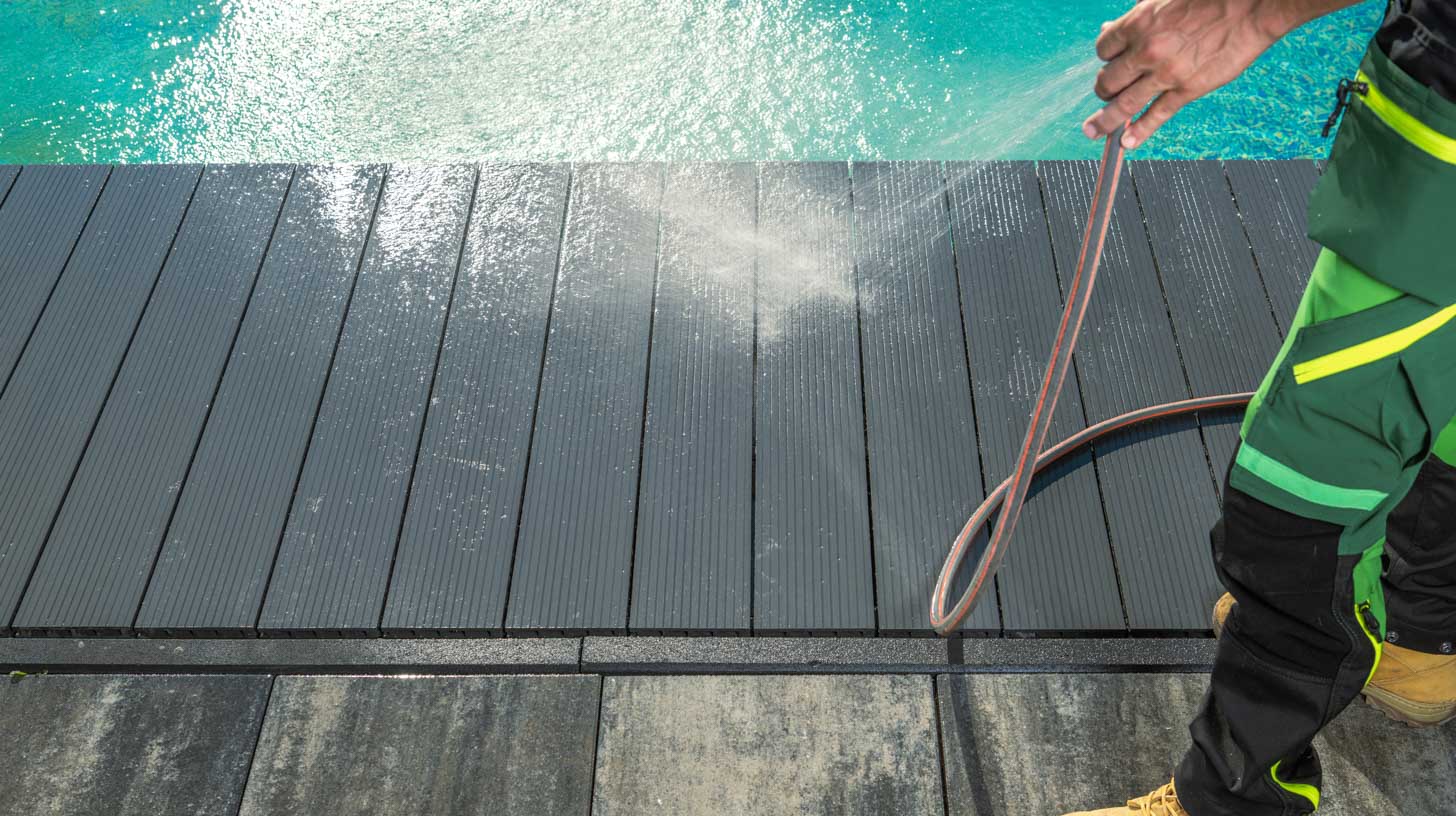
(1371, 350)
(1309, 792)
(1374, 641)
(1414, 130)
(1292, 481)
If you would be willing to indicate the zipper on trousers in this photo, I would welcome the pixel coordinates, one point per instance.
(1342, 102)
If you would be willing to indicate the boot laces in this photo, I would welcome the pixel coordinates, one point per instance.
(1161, 802)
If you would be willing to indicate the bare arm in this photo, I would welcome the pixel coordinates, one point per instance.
(1171, 52)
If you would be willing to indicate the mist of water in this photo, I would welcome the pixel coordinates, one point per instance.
(1026, 105)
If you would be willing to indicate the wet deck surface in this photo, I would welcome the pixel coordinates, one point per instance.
(610, 399)
(937, 745)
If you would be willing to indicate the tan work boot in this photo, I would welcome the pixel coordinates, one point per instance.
(1221, 610)
(1161, 802)
(1415, 688)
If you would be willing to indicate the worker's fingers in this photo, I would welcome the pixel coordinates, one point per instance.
(1156, 116)
(1122, 108)
(1115, 76)
(1112, 41)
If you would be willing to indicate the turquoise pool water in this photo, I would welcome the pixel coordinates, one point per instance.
(254, 80)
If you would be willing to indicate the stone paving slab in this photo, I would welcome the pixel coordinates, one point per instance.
(768, 745)
(437, 745)
(1043, 745)
(1373, 765)
(118, 745)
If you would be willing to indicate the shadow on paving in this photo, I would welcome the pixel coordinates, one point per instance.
(1005, 745)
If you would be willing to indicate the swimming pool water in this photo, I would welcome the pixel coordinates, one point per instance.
(293, 80)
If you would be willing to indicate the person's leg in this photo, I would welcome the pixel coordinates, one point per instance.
(1332, 442)
(1416, 683)
(1420, 577)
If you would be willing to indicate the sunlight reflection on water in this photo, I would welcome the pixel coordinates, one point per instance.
(549, 80)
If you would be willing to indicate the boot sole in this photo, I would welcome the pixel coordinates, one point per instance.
(1415, 715)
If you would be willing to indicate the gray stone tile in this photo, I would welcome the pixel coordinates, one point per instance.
(437, 745)
(777, 745)
(122, 744)
(1373, 765)
(1046, 744)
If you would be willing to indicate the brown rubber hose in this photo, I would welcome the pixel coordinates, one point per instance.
(1010, 496)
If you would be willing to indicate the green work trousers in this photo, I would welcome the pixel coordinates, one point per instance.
(1339, 518)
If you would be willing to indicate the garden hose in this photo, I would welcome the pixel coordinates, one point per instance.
(1010, 495)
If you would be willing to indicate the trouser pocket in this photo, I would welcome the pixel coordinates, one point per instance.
(1347, 417)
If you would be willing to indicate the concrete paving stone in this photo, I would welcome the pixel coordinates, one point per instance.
(1373, 765)
(750, 745)
(126, 744)
(438, 745)
(1047, 744)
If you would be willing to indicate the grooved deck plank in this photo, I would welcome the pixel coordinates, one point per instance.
(334, 560)
(1273, 202)
(813, 568)
(455, 553)
(1221, 315)
(574, 549)
(815, 430)
(8, 172)
(1156, 484)
(213, 567)
(1058, 576)
(40, 222)
(99, 555)
(925, 468)
(694, 547)
(59, 385)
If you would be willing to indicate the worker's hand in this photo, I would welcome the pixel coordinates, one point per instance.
(1174, 51)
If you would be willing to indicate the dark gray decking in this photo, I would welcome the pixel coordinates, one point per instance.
(610, 399)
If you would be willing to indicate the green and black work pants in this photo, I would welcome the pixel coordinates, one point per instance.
(1339, 521)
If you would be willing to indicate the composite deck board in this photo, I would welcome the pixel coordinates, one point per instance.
(1058, 576)
(1273, 199)
(1222, 317)
(454, 555)
(40, 222)
(8, 172)
(100, 552)
(57, 389)
(214, 564)
(207, 409)
(574, 547)
(1156, 484)
(694, 547)
(335, 556)
(811, 545)
(925, 468)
